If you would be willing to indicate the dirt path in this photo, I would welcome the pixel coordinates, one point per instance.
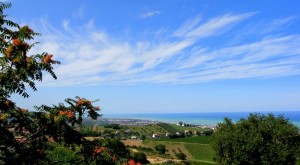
(133, 142)
(155, 159)
(204, 161)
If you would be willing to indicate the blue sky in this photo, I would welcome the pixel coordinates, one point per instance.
(168, 56)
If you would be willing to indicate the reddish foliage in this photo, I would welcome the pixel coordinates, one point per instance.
(47, 59)
(16, 42)
(131, 162)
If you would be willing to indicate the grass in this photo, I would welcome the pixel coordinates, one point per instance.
(195, 139)
(148, 130)
(200, 152)
(201, 163)
(168, 127)
(161, 129)
(172, 149)
(196, 152)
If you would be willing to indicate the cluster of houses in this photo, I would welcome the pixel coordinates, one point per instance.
(198, 126)
(186, 133)
(176, 134)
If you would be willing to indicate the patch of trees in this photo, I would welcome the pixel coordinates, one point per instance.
(259, 139)
(180, 156)
(176, 135)
(104, 151)
(58, 154)
(140, 157)
(208, 132)
(86, 132)
(113, 126)
(160, 148)
(185, 124)
(89, 131)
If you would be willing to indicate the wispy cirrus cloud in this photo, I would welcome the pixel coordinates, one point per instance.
(149, 14)
(96, 57)
(212, 27)
(65, 24)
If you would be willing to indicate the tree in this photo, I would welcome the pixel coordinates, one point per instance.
(208, 132)
(188, 133)
(181, 156)
(259, 139)
(104, 151)
(160, 148)
(140, 157)
(25, 135)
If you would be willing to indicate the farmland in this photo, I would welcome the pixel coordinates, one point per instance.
(196, 148)
(194, 139)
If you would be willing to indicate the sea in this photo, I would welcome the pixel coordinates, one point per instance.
(204, 118)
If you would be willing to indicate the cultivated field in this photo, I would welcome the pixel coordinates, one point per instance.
(194, 139)
(196, 149)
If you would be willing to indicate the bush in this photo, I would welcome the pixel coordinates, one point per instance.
(259, 139)
(104, 151)
(181, 156)
(60, 155)
(160, 148)
(140, 157)
(208, 132)
(113, 126)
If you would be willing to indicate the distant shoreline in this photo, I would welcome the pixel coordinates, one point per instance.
(143, 122)
(127, 121)
(201, 118)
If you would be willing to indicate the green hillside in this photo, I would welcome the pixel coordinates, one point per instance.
(197, 149)
(194, 139)
(168, 127)
(200, 152)
(148, 130)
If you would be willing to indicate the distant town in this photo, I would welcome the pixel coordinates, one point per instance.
(140, 122)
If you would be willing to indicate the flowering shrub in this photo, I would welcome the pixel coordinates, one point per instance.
(24, 134)
(105, 151)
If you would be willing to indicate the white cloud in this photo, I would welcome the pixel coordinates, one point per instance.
(65, 24)
(96, 57)
(188, 26)
(150, 14)
(214, 26)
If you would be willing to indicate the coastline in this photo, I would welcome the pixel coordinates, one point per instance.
(201, 118)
